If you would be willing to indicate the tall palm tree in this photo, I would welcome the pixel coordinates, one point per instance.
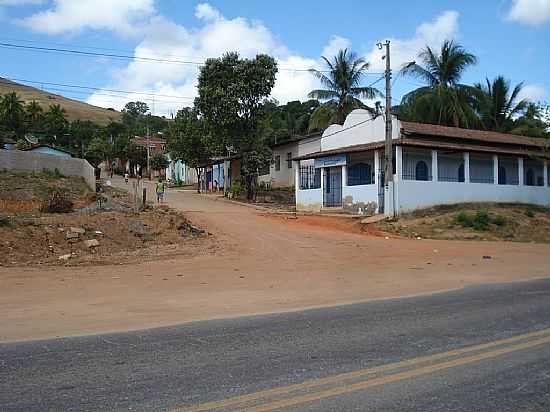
(34, 114)
(444, 100)
(12, 113)
(56, 121)
(498, 105)
(342, 83)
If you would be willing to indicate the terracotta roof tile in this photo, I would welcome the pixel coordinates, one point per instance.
(409, 128)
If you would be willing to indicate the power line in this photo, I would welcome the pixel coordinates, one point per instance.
(69, 51)
(97, 88)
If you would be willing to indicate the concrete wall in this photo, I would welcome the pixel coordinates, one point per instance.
(417, 194)
(37, 162)
(309, 200)
(353, 131)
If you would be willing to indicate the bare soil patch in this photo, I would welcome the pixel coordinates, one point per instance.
(106, 232)
(475, 221)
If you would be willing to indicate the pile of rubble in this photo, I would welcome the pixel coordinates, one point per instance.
(77, 234)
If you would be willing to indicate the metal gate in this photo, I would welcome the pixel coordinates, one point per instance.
(332, 192)
(381, 191)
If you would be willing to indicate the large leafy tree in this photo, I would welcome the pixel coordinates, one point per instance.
(444, 100)
(498, 104)
(281, 122)
(342, 86)
(81, 134)
(186, 139)
(97, 151)
(231, 95)
(12, 114)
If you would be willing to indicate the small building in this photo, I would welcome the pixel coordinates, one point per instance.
(8, 143)
(282, 169)
(156, 143)
(50, 150)
(433, 165)
(178, 171)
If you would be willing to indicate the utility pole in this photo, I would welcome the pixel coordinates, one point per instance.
(388, 164)
(148, 155)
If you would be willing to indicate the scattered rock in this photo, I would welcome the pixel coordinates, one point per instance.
(78, 230)
(65, 257)
(71, 235)
(98, 233)
(91, 243)
(138, 228)
(487, 257)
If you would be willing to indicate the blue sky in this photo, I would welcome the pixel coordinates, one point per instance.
(510, 37)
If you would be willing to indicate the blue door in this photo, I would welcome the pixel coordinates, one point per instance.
(332, 191)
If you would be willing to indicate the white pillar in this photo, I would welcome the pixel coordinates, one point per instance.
(376, 167)
(296, 176)
(467, 167)
(398, 163)
(545, 171)
(322, 187)
(520, 171)
(495, 169)
(344, 176)
(435, 170)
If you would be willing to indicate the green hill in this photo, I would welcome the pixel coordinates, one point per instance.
(76, 110)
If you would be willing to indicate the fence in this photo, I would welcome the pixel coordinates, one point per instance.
(37, 162)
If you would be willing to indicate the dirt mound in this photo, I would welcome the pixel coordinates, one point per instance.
(103, 237)
(475, 221)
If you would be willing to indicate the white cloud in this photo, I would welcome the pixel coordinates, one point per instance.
(206, 12)
(531, 12)
(335, 44)
(71, 16)
(532, 92)
(433, 33)
(215, 35)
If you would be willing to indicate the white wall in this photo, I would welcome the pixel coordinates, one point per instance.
(417, 194)
(33, 161)
(336, 136)
(309, 200)
(310, 145)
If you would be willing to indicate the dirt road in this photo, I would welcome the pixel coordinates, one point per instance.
(263, 264)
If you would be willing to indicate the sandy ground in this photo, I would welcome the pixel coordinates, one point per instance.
(263, 264)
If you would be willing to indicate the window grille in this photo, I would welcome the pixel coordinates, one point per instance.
(417, 164)
(450, 167)
(310, 178)
(481, 168)
(360, 174)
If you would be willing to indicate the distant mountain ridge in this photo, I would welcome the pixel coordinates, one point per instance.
(76, 110)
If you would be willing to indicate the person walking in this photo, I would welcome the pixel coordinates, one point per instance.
(160, 189)
(126, 176)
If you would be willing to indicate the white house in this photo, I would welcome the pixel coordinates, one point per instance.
(432, 165)
(282, 168)
(179, 171)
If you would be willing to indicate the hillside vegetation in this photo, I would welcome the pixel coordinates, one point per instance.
(76, 110)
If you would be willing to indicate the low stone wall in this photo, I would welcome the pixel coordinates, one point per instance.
(37, 162)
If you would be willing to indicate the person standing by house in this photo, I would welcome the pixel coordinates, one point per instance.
(126, 176)
(160, 189)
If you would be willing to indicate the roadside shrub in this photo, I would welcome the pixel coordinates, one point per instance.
(464, 219)
(5, 221)
(58, 202)
(529, 213)
(499, 220)
(481, 220)
(236, 189)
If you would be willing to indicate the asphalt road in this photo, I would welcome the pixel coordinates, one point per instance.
(478, 349)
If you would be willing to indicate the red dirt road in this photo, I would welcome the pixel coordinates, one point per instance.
(264, 264)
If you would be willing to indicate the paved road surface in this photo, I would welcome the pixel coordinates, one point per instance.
(483, 348)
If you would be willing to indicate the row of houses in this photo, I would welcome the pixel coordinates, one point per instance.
(433, 165)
